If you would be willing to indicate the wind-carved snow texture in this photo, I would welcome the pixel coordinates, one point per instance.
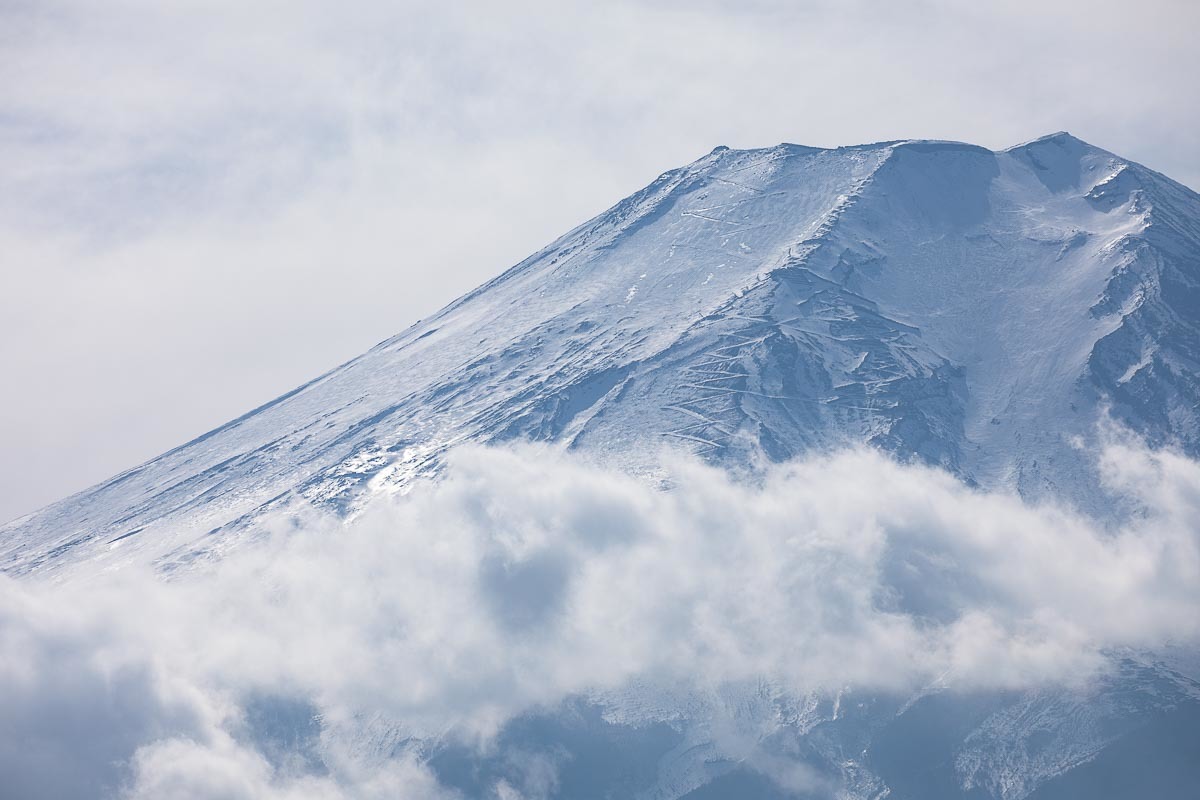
(976, 310)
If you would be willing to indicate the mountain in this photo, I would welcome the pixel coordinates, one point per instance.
(975, 310)
(970, 308)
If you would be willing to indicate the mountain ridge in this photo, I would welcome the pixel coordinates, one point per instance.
(763, 265)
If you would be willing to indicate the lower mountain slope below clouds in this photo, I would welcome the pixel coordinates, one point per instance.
(973, 310)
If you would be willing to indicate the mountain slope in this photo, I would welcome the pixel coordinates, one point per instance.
(970, 308)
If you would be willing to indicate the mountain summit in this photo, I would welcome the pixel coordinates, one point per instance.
(972, 309)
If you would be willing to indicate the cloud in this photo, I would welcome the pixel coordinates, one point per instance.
(527, 576)
(186, 770)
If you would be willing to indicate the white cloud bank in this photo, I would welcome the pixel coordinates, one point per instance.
(526, 576)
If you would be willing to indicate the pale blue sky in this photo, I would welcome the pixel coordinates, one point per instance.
(203, 204)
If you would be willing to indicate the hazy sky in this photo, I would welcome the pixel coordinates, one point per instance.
(203, 204)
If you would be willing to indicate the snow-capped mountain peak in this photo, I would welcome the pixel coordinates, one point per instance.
(970, 308)
(974, 310)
